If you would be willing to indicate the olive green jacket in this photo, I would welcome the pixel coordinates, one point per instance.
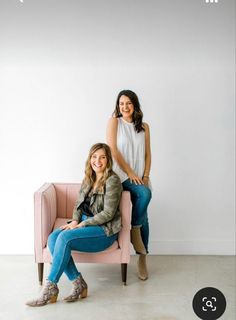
(104, 205)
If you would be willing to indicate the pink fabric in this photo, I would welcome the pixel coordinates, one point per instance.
(45, 212)
(67, 194)
(54, 204)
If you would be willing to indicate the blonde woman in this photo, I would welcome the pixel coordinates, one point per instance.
(94, 227)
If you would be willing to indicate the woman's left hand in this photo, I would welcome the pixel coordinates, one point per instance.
(80, 225)
(69, 226)
(72, 225)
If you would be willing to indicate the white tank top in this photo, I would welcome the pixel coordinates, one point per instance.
(131, 145)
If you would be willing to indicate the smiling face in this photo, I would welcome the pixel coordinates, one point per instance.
(126, 108)
(98, 161)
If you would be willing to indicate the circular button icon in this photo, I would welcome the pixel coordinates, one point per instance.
(209, 303)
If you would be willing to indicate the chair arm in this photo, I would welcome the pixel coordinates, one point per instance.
(45, 211)
(124, 234)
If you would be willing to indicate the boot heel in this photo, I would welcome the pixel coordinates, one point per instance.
(53, 299)
(84, 293)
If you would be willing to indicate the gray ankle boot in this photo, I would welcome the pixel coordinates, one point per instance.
(79, 290)
(48, 294)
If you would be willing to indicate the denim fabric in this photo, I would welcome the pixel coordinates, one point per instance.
(62, 242)
(140, 198)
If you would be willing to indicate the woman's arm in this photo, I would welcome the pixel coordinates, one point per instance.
(147, 155)
(111, 137)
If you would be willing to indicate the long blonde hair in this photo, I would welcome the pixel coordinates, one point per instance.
(90, 175)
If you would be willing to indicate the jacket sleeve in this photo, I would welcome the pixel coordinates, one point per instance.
(111, 202)
(77, 211)
(76, 215)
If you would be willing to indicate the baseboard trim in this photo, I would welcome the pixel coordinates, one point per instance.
(197, 247)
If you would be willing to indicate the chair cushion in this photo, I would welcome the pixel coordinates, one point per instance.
(60, 221)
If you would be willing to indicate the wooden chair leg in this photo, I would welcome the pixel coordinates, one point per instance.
(124, 273)
(40, 273)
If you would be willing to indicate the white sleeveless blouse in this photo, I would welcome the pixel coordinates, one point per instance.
(131, 145)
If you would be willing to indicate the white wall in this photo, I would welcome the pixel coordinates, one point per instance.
(62, 64)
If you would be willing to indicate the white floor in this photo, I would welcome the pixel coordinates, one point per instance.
(166, 295)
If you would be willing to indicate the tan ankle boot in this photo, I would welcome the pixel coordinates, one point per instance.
(48, 294)
(137, 241)
(142, 267)
(79, 290)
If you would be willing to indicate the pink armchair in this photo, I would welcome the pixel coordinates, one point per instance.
(53, 206)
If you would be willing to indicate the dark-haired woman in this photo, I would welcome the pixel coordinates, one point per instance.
(129, 139)
(95, 225)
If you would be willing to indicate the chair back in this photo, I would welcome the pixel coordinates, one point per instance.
(66, 195)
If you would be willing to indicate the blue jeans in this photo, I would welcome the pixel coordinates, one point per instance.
(62, 242)
(140, 198)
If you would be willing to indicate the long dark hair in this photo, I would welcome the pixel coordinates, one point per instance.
(90, 175)
(137, 115)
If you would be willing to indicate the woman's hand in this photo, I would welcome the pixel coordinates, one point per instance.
(80, 225)
(134, 178)
(72, 225)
